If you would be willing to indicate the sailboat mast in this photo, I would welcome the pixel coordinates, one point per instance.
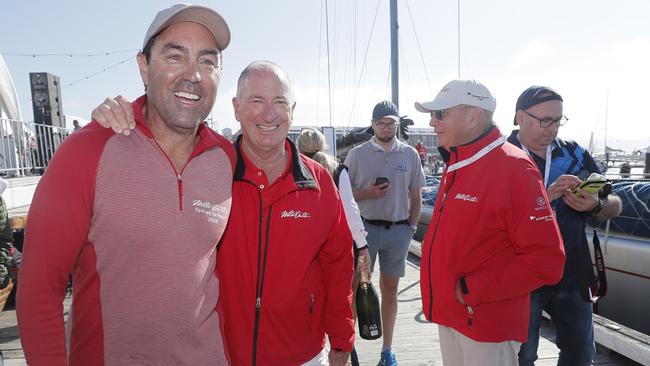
(606, 112)
(394, 57)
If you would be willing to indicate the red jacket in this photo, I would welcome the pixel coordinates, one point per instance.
(285, 265)
(493, 234)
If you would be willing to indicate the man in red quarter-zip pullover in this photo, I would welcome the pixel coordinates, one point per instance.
(140, 238)
(285, 262)
(492, 238)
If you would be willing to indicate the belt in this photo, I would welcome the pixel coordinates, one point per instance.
(385, 223)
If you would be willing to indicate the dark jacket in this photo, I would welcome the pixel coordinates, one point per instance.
(568, 157)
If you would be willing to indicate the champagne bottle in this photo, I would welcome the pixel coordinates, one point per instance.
(368, 312)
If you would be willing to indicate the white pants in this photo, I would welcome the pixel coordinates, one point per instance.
(321, 359)
(459, 350)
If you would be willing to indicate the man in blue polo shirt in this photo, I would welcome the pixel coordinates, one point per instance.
(386, 176)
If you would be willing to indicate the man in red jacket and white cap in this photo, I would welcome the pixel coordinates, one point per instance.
(492, 238)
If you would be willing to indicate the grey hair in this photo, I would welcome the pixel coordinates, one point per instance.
(265, 65)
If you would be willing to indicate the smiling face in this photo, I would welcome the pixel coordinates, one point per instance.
(264, 108)
(181, 77)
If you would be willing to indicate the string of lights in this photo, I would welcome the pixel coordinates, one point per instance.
(90, 76)
(36, 55)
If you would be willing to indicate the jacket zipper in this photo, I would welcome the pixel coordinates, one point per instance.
(180, 192)
(179, 176)
(470, 313)
(312, 300)
(261, 272)
(433, 237)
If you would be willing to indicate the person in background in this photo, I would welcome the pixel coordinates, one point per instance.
(311, 143)
(76, 125)
(563, 165)
(136, 219)
(492, 238)
(5, 238)
(625, 170)
(386, 177)
(422, 152)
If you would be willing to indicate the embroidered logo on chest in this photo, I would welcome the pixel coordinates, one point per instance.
(213, 211)
(541, 204)
(295, 214)
(466, 197)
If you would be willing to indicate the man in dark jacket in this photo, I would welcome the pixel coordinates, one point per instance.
(563, 165)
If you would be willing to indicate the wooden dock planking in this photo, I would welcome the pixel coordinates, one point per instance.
(415, 341)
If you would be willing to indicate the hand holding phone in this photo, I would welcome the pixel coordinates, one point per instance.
(382, 181)
(592, 185)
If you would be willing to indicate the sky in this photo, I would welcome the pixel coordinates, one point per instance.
(596, 54)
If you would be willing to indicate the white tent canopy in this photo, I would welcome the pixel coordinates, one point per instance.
(9, 102)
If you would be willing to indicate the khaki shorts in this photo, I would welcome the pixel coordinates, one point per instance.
(392, 246)
(459, 350)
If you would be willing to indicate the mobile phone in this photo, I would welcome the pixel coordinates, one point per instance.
(592, 184)
(381, 180)
(591, 187)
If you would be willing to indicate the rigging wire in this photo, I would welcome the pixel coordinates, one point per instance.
(417, 40)
(403, 59)
(349, 55)
(387, 85)
(35, 55)
(320, 48)
(354, 40)
(458, 2)
(363, 65)
(91, 75)
(329, 79)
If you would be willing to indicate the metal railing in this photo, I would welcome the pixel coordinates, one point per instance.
(26, 148)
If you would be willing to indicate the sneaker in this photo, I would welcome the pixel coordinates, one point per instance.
(387, 359)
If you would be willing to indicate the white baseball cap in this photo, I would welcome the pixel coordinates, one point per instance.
(190, 13)
(457, 92)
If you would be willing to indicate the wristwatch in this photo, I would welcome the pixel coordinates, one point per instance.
(599, 206)
(414, 228)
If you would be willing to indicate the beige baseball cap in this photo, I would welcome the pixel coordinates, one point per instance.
(190, 13)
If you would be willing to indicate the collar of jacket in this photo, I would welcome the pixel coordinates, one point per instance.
(301, 174)
(467, 150)
(207, 137)
(558, 143)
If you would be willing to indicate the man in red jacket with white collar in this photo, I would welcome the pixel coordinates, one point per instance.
(492, 238)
